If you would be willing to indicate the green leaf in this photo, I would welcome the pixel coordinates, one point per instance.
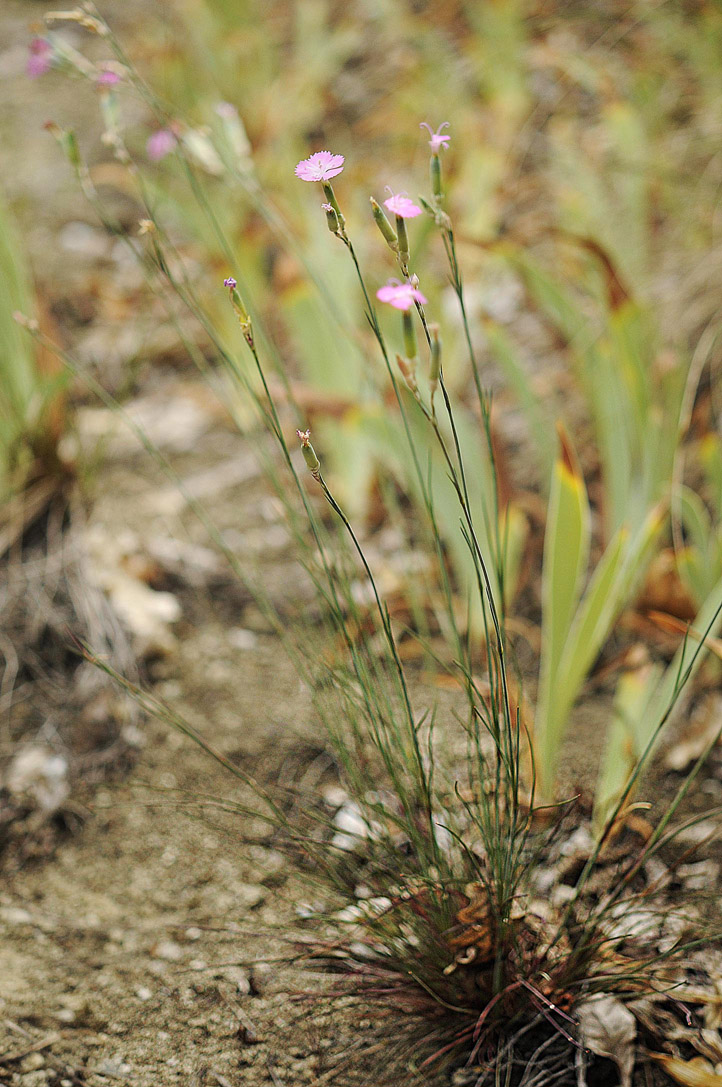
(566, 553)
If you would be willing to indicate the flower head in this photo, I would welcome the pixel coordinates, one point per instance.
(160, 144)
(400, 295)
(438, 142)
(403, 206)
(40, 58)
(230, 282)
(106, 78)
(321, 166)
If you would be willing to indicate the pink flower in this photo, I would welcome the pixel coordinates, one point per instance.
(403, 206)
(400, 295)
(321, 166)
(40, 58)
(160, 144)
(107, 78)
(438, 142)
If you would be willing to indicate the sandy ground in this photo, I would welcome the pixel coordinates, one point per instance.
(144, 950)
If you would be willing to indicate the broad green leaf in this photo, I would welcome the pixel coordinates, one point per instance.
(626, 739)
(566, 553)
(610, 588)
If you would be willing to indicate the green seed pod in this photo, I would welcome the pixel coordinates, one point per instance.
(384, 226)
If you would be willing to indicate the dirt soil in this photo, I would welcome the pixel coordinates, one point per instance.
(144, 950)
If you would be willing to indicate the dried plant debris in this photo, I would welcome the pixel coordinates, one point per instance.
(62, 724)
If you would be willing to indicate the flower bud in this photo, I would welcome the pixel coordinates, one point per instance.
(68, 143)
(309, 453)
(236, 137)
(331, 218)
(435, 368)
(331, 199)
(384, 226)
(241, 312)
(409, 334)
(403, 243)
(408, 372)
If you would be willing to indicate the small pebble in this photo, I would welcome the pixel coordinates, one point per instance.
(32, 1062)
(167, 950)
(15, 915)
(242, 639)
(35, 1079)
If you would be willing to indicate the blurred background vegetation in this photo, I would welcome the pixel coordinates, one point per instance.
(583, 181)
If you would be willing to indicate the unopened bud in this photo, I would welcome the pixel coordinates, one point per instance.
(440, 217)
(409, 334)
(435, 368)
(384, 226)
(241, 312)
(408, 372)
(309, 453)
(331, 217)
(403, 243)
(236, 138)
(68, 143)
(84, 18)
(331, 199)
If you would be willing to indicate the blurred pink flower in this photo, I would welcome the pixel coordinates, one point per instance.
(106, 78)
(40, 58)
(403, 206)
(321, 166)
(160, 144)
(438, 142)
(400, 295)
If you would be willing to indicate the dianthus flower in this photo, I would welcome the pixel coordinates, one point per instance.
(321, 166)
(438, 141)
(40, 58)
(106, 78)
(400, 295)
(160, 144)
(403, 206)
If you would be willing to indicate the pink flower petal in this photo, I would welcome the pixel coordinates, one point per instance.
(403, 206)
(400, 295)
(321, 166)
(40, 58)
(160, 144)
